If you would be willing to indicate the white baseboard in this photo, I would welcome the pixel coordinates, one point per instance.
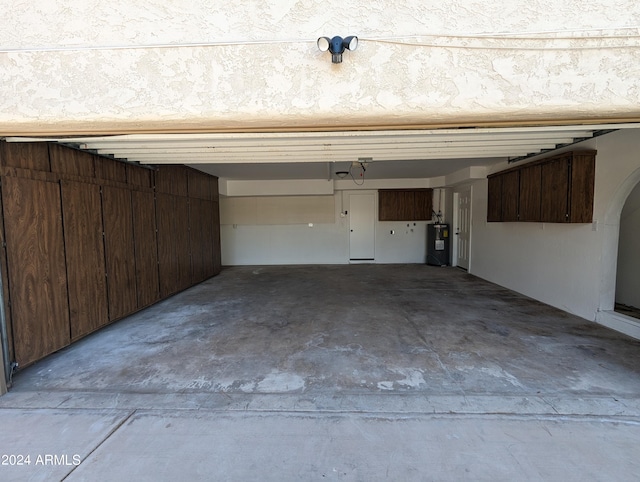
(619, 322)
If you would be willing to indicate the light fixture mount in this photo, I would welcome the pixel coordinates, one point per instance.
(337, 46)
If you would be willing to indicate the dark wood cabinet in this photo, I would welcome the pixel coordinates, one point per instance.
(555, 192)
(583, 174)
(559, 189)
(181, 238)
(502, 201)
(88, 240)
(119, 251)
(530, 193)
(36, 267)
(71, 161)
(84, 249)
(510, 189)
(25, 155)
(390, 205)
(146, 250)
(405, 204)
(423, 205)
(167, 260)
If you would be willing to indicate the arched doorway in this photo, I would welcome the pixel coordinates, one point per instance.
(627, 299)
(610, 246)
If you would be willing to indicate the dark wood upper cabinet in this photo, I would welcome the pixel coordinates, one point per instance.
(510, 189)
(65, 160)
(199, 184)
(25, 155)
(388, 205)
(111, 170)
(423, 205)
(555, 193)
(405, 204)
(583, 175)
(139, 176)
(530, 192)
(172, 179)
(559, 189)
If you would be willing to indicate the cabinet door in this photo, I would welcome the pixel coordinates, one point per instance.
(65, 160)
(510, 194)
(555, 188)
(208, 243)
(530, 193)
(146, 247)
(423, 205)
(494, 201)
(405, 205)
(36, 266)
(120, 252)
(25, 155)
(167, 261)
(583, 173)
(84, 247)
(174, 256)
(388, 205)
(197, 233)
(183, 248)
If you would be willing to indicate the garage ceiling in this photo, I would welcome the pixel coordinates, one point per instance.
(390, 154)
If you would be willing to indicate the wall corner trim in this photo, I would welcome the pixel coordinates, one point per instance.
(619, 322)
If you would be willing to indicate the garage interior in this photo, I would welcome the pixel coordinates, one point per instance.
(267, 355)
(215, 240)
(125, 226)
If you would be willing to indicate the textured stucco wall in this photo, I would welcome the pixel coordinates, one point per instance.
(282, 80)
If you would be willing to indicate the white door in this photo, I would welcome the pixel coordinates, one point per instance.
(362, 219)
(463, 228)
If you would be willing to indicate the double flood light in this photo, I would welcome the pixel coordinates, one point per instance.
(337, 46)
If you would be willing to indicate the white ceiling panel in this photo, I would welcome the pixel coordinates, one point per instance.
(318, 155)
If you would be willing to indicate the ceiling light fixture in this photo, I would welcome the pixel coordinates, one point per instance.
(342, 174)
(337, 46)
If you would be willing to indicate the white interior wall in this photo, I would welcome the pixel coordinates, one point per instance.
(322, 243)
(559, 264)
(628, 273)
(407, 244)
(305, 242)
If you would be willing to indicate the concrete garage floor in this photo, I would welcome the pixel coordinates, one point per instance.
(361, 372)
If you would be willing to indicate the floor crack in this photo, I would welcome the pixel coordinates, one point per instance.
(105, 438)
